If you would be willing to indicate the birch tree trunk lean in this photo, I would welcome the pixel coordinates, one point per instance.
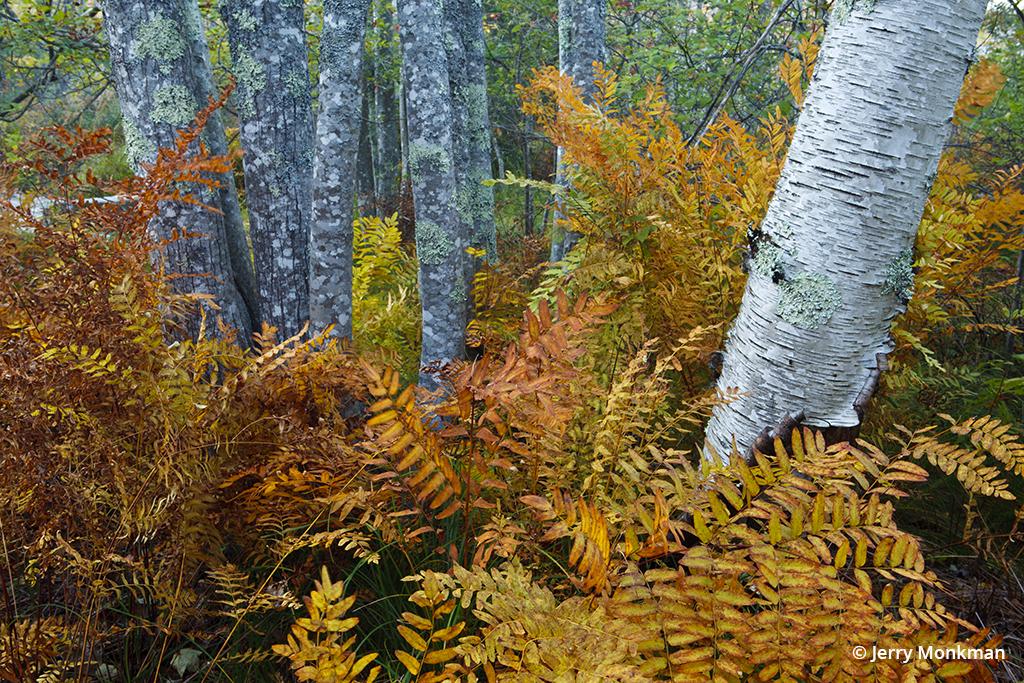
(439, 244)
(337, 149)
(162, 75)
(831, 266)
(275, 112)
(581, 42)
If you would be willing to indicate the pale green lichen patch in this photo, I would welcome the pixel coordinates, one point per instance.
(427, 156)
(137, 148)
(160, 39)
(457, 294)
(842, 9)
(433, 244)
(245, 20)
(899, 276)
(297, 83)
(251, 77)
(767, 260)
(173, 105)
(808, 300)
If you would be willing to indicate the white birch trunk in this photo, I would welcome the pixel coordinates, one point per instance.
(581, 42)
(831, 265)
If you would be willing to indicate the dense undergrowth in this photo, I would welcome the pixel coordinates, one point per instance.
(165, 508)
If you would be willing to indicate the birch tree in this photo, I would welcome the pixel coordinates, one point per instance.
(334, 177)
(581, 42)
(439, 242)
(831, 265)
(270, 64)
(162, 75)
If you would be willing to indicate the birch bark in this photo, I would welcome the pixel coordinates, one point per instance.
(439, 242)
(337, 148)
(581, 42)
(832, 264)
(270, 64)
(161, 71)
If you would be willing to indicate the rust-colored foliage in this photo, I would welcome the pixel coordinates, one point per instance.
(162, 504)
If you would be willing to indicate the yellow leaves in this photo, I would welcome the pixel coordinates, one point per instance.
(316, 647)
(796, 71)
(971, 466)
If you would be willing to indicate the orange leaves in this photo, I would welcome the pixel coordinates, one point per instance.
(586, 526)
(980, 88)
(410, 452)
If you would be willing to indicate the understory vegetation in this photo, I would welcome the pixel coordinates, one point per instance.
(205, 511)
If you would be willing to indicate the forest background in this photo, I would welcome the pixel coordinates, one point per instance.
(207, 510)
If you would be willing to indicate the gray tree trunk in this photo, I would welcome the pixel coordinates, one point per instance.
(234, 226)
(366, 185)
(439, 244)
(832, 264)
(275, 112)
(388, 157)
(478, 129)
(159, 65)
(337, 149)
(581, 42)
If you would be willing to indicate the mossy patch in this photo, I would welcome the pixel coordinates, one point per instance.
(245, 20)
(767, 260)
(457, 295)
(173, 105)
(160, 39)
(842, 9)
(808, 300)
(297, 83)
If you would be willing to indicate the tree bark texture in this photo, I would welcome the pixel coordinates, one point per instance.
(161, 71)
(270, 64)
(366, 190)
(831, 266)
(439, 242)
(337, 150)
(476, 200)
(388, 158)
(239, 247)
(581, 42)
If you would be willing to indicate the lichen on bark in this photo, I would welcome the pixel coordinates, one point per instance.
(159, 39)
(845, 220)
(269, 61)
(162, 74)
(338, 123)
(808, 300)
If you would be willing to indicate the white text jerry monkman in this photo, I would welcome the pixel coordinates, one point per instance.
(929, 652)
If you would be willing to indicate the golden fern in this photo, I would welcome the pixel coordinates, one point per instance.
(319, 646)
